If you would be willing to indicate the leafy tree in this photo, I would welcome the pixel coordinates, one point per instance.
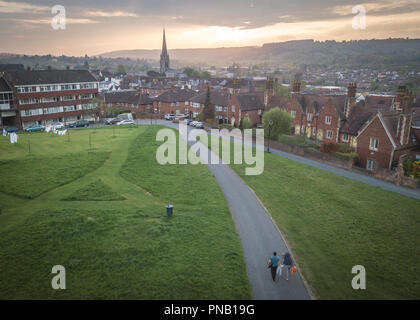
(245, 124)
(282, 122)
(121, 68)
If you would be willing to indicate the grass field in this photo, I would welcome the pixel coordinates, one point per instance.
(98, 209)
(333, 223)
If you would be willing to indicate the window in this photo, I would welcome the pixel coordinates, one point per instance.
(330, 134)
(374, 144)
(314, 131)
(345, 137)
(293, 113)
(309, 117)
(328, 119)
(370, 165)
(233, 108)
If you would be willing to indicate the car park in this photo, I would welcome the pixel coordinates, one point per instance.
(35, 128)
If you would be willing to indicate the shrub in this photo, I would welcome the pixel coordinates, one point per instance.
(416, 168)
(408, 167)
(328, 147)
(345, 148)
(347, 156)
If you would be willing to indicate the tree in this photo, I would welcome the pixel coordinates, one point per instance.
(282, 122)
(245, 123)
(121, 68)
(208, 111)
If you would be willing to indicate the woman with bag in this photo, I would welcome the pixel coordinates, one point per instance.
(288, 263)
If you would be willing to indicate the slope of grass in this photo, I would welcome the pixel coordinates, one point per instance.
(334, 223)
(95, 191)
(33, 176)
(121, 249)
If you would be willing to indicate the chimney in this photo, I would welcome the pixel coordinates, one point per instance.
(296, 86)
(351, 98)
(401, 92)
(235, 86)
(269, 91)
(405, 118)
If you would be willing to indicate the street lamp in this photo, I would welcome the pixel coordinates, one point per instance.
(270, 124)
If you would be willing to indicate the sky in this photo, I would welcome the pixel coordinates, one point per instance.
(97, 26)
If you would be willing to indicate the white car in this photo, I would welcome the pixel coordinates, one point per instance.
(127, 121)
(199, 125)
(57, 126)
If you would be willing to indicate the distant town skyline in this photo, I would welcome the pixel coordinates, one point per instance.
(94, 27)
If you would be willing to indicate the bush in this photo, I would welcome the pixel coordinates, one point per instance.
(408, 167)
(347, 156)
(345, 148)
(328, 147)
(282, 122)
(416, 168)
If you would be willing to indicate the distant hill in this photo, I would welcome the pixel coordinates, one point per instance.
(384, 52)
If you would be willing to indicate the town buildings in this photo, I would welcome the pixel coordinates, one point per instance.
(47, 96)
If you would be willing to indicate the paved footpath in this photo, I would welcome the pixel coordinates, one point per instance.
(258, 234)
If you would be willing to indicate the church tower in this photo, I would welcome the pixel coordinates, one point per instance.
(164, 57)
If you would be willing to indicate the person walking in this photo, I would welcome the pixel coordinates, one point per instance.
(288, 263)
(273, 264)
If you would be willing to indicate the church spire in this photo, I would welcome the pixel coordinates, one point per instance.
(164, 57)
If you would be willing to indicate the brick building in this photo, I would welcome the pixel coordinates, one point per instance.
(47, 96)
(175, 101)
(8, 111)
(219, 100)
(140, 104)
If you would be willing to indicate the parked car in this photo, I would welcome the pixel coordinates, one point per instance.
(35, 128)
(169, 116)
(80, 123)
(128, 121)
(189, 121)
(57, 126)
(12, 129)
(199, 125)
(113, 121)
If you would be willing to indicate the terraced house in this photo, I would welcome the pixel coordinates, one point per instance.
(219, 100)
(140, 104)
(48, 96)
(381, 128)
(175, 101)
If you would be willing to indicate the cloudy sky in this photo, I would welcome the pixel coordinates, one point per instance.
(97, 26)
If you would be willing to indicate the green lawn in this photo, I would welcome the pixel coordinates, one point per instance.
(333, 223)
(99, 210)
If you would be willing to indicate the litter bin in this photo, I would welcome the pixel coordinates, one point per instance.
(169, 210)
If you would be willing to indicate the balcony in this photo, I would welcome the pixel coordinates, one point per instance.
(5, 106)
